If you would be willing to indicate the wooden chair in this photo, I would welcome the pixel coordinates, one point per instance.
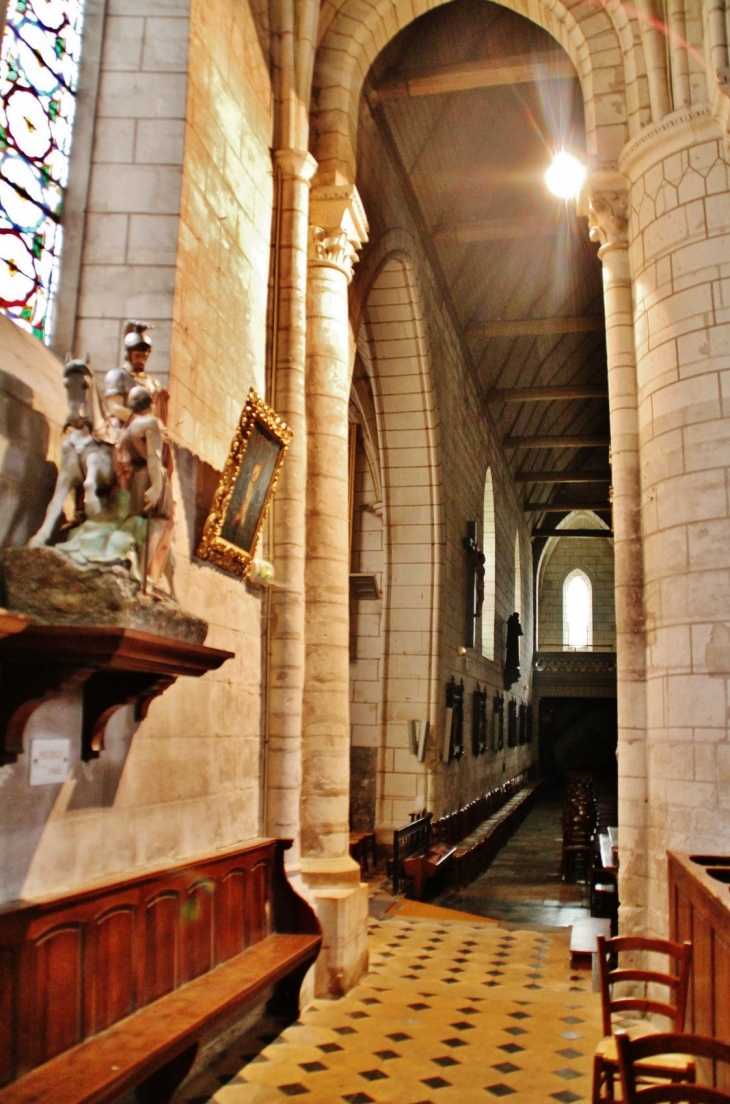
(634, 1055)
(605, 1060)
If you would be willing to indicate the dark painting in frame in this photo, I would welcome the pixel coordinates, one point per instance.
(245, 489)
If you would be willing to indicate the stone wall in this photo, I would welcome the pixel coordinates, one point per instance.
(679, 237)
(187, 780)
(594, 556)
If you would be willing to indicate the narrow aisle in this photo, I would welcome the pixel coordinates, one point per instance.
(450, 1013)
(522, 887)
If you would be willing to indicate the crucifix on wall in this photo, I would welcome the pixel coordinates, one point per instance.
(474, 582)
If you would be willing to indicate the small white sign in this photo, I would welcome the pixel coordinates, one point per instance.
(49, 762)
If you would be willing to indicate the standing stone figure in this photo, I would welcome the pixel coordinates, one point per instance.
(144, 470)
(512, 663)
(120, 381)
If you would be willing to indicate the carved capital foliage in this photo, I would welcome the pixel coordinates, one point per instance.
(608, 220)
(338, 227)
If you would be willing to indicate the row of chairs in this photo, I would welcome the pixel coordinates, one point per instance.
(580, 823)
(456, 826)
(654, 1067)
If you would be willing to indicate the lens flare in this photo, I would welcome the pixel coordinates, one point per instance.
(566, 176)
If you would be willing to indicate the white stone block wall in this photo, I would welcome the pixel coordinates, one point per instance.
(594, 556)
(130, 240)
(680, 249)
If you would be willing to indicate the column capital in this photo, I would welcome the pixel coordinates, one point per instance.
(295, 163)
(338, 227)
(608, 220)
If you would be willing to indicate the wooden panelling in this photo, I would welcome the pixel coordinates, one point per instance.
(8, 986)
(699, 910)
(73, 967)
(161, 921)
(229, 930)
(197, 918)
(58, 995)
(112, 969)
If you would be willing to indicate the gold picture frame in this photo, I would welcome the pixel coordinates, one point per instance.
(249, 479)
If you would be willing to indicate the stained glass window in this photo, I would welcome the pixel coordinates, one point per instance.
(38, 75)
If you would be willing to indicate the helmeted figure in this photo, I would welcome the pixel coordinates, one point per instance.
(120, 381)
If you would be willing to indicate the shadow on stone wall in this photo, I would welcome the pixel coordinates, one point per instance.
(198, 483)
(27, 478)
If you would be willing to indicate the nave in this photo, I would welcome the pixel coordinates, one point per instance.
(450, 1012)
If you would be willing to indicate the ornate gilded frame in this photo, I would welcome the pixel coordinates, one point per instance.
(213, 546)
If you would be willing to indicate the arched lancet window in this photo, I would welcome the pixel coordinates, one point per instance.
(518, 577)
(577, 610)
(489, 530)
(39, 65)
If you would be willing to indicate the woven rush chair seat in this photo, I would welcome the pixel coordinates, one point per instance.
(638, 1055)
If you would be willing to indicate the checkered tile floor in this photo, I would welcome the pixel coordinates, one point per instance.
(450, 1013)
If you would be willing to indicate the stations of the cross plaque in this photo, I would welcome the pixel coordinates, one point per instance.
(474, 583)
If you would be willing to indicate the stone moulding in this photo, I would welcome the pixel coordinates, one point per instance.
(112, 666)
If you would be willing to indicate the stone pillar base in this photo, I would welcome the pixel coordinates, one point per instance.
(342, 910)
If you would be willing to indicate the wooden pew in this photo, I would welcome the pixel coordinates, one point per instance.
(114, 987)
(414, 839)
(428, 869)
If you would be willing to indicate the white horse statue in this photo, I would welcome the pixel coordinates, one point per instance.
(86, 461)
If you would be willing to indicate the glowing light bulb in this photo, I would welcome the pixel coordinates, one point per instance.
(566, 176)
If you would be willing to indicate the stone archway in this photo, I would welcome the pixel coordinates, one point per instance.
(392, 318)
(600, 41)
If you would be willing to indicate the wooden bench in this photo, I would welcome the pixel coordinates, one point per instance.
(414, 839)
(428, 869)
(474, 854)
(115, 987)
(362, 844)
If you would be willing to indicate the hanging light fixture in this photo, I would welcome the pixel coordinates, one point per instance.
(566, 176)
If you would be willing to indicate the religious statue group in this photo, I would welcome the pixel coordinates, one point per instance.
(116, 458)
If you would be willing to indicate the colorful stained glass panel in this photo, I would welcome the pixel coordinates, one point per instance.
(39, 67)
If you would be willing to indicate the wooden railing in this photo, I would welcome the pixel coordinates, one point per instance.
(699, 910)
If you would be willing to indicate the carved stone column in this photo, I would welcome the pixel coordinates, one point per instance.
(608, 218)
(295, 169)
(338, 228)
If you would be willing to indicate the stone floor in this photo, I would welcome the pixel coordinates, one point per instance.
(452, 1011)
(449, 1013)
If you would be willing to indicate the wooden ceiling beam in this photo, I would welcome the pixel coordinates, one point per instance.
(563, 477)
(556, 442)
(486, 73)
(494, 230)
(553, 531)
(563, 507)
(536, 327)
(546, 394)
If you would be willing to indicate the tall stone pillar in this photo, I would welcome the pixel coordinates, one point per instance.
(679, 249)
(608, 217)
(337, 229)
(295, 169)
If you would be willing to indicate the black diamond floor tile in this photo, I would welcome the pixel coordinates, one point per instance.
(358, 1098)
(295, 1089)
(572, 1019)
(567, 1074)
(358, 1015)
(313, 1067)
(464, 1025)
(449, 981)
(519, 1015)
(511, 1048)
(456, 1043)
(469, 1011)
(373, 1075)
(515, 1030)
(419, 1006)
(500, 1089)
(569, 1053)
(386, 1055)
(436, 1082)
(507, 1067)
(344, 1030)
(447, 1060)
(370, 1000)
(329, 1048)
(565, 1097)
